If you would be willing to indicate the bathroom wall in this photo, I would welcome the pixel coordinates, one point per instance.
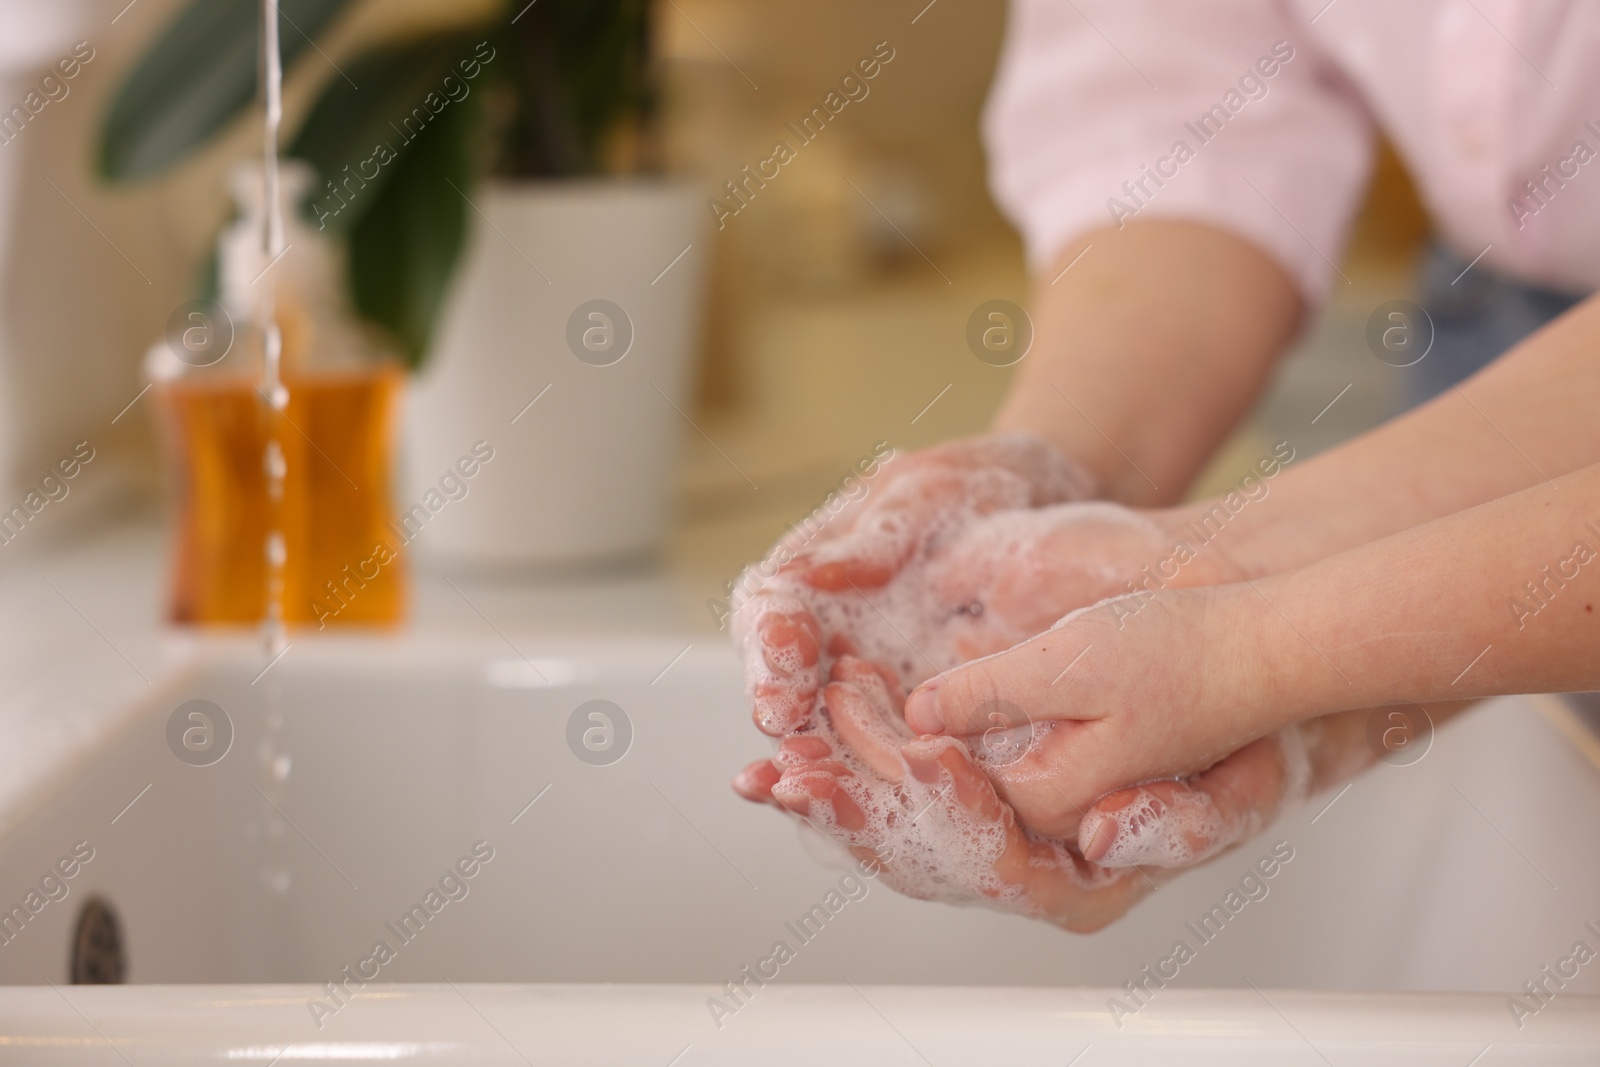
(839, 297)
(82, 272)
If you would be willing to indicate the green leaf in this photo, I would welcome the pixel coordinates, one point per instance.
(577, 68)
(196, 78)
(404, 248)
(346, 133)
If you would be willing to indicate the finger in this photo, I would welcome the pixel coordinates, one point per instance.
(967, 797)
(945, 760)
(1089, 665)
(755, 782)
(1180, 824)
(879, 682)
(1031, 875)
(1011, 688)
(884, 538)
(862, 731)
(818, 796)
(891, 532)
(801, 748)
(1161, 824)
(783, 674)
(988, 858)
(880, 686)
(1043, 477)
(869, 728)
(789, 641)
(863, 572)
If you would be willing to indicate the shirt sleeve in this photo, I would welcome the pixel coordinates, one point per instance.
(1223, 112)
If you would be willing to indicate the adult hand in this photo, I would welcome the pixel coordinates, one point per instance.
(984, 575)
(820, 579)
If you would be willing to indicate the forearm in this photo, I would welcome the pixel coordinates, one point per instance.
(1529, 416)
(1498, 599)
(1149, 351)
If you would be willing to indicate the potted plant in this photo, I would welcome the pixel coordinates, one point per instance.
(496, 195)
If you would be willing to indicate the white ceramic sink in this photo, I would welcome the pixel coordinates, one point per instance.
(243, 886)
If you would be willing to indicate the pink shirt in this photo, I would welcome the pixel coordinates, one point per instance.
(1258, 116)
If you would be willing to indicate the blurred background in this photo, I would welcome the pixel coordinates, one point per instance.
(835, 303)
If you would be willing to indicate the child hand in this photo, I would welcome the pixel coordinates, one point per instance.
(1135, 689)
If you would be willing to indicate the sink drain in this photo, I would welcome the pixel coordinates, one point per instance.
(97, 953)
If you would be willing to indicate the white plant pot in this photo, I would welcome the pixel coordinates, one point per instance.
(586, 472)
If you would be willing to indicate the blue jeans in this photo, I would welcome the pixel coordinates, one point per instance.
(1474, 320)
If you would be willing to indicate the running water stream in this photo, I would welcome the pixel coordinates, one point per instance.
(276, 872)
(273, 389)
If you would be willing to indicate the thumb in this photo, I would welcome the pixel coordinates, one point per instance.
(1023, 684)
(1183, 823)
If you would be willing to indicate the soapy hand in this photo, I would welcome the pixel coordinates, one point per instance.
(1144, 687)
(924, 813)
(955, 559)
(828, 580)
